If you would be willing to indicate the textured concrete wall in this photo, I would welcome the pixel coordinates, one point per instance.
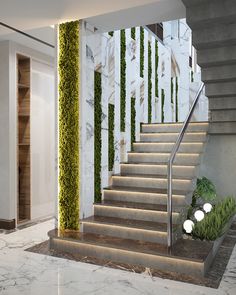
(219, 163)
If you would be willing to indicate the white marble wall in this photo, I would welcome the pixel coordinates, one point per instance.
(101, 52)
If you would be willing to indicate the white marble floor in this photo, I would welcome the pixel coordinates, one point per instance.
(34, 274)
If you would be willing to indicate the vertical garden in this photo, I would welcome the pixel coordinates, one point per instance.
(68, 66)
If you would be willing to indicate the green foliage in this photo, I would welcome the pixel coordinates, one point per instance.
(162, 105)
(111, 33)
(176, 100)
(69, 125)
(133, 33)
(133, 119)
(172, 91)
(141, 52)
(97, 135)
(149, 82)
(214, 224)
(122, 79)
(192, 80)
(156, 68)
(205, 190)
(111, 125)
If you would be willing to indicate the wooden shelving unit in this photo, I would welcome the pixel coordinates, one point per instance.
(23, 89)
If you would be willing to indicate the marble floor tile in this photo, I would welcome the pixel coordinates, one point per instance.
(28, 273)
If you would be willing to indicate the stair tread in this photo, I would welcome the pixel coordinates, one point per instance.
(138, 224)
(145, 190)
(134, 205)
(185, 249)
(155, 176)
(164, 153)
(176, 123)
(154, 164)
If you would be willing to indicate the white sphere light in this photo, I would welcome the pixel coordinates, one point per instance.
(199, 215)
(207, 207)
(188, 226)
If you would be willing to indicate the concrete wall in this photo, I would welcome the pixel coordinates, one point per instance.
(219, 164)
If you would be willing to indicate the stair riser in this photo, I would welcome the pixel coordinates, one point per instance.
(147, 198)
(222, 103)
(126, 233)
(221, 90)
(147, 137)
(224, 73)
(163, 158)
(158, 128)
(129, 257)
(217, 56)
(167, 147)
(157, 169)
(210, 12)
(151, 183)
(215, 36)
(223, 115)
(135, 214)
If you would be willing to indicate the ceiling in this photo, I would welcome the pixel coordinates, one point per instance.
(36, 16)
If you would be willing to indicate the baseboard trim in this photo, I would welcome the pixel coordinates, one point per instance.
(7, 224)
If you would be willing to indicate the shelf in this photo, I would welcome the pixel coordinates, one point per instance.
(24, 115)
(24, 144)
(23, 86)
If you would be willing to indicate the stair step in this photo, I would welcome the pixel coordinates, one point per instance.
(126, 228)
(189, 257)
(174, 127)
(181, 158)
(225, 55)
(146, 195)
(172, 137)
(136, 211)
(225, 89)
(151, 181)
(185, 147)
(222, 128)
(222, 103)
(208, 12)
(156, 169)
(215, 36)
(223, 115)
(224, 73)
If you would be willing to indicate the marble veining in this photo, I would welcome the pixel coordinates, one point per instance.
(28, 273)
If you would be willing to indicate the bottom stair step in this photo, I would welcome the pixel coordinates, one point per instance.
(128, 229)
(187, 256)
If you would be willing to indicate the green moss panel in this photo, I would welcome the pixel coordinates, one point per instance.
(122, 79)
(141, 52)
(68, 67)
(172, 91)
(162, 105)
(111, 33)
(176, 100)
(111, 126)
(156, 68)
(97, 135)
(133, 33)
(133, 121)
(149, 82)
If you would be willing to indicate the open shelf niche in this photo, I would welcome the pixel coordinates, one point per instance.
(23, 90)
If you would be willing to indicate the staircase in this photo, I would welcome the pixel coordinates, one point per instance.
(130, 224)
(213, 24)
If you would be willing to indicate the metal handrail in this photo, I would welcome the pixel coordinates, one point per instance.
(170, 166)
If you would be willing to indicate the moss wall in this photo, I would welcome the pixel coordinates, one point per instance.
(122, 79)
(176, 100)
(141, 52)
(162, 105)
(149, 82)
(133, 121)
(97, 135)
(156, 68)
(111, 143)
(68, 67)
